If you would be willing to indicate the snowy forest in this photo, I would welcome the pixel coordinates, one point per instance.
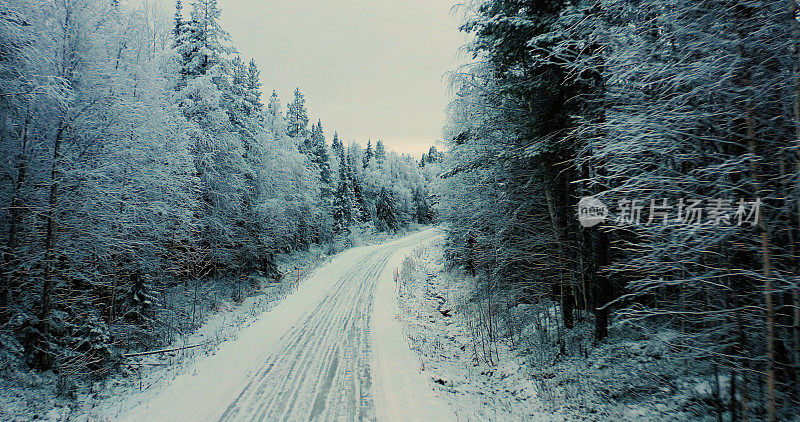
(138, 156)
(608, 228)
(653, 101)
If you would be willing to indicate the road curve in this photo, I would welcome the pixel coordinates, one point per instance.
(309, 358)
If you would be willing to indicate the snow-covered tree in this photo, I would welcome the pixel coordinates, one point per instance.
(297, 118)
(337, 146)
(274, 121)
(254, 84)
(204, 45)
(380, 152)
(344, 202)
(368, 153)
(179, 25)
(385, 211)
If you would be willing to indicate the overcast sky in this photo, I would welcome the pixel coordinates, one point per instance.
(370, 69)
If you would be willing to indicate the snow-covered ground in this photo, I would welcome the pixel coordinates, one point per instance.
(387, 332)
(634, 375)
(402, 390)
(436, 328)
(318, 354)
(31, 395)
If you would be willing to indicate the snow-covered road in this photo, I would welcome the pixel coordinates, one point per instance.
(332, 350)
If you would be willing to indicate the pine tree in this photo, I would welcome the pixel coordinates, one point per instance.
(297, 119)
(224, 125)
(423, 211)
(178, 26)
(368, 154)
(433, 156)
(241, 92)
(236, 99)
(385, 211)
(380, 152)
(535, 161)
(338, 146)
(361, 209)
(275, 122)
(344, 198)
(321, 159)
(202, 45)
(254, 84)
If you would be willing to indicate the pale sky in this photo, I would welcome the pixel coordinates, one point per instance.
(370, 69)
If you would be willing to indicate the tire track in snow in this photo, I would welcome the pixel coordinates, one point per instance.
(312, 357)
(320, 368)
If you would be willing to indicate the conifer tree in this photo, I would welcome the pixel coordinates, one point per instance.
(236, 99)
(433, 155)
(344, 197)
(362, 212)
(368, 154)
(178, 26)
(321, 159)
(203, 44)
(297, 119)
(275, 122)
(423, 211)
(337, 146)
(380, 152)
(385, 211)
(254, 84)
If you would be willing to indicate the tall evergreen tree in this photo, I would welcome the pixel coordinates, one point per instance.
(423, 211)
(380, 152)
(433, 155)
(344, 199)
(203, 45)
(297, 120)
(254, 84)
(361, 207)
(321, 159)
(178, 26)
(385, 211)
(337, 146)
(240, 107)
(368, 154)
(275, 122)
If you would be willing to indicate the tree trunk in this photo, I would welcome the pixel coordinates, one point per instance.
(765, 248)
(796, 290)
(602, 286)
(44, 360)
(732, 403)
(564, 290)
(15, 211)
(767, 270)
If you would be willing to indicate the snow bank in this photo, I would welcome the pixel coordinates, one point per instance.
(402, 391)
